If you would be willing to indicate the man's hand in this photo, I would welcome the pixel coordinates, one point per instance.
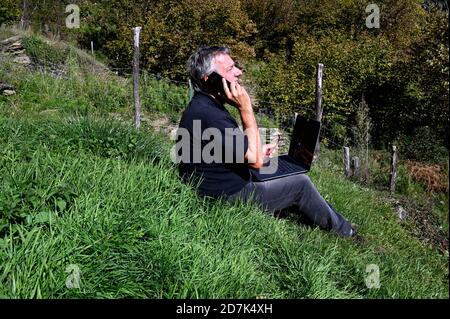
(237, 96)
(268, 149)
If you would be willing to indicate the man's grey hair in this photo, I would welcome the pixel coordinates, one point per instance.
(201, 63)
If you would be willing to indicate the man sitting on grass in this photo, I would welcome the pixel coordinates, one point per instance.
(207, 121)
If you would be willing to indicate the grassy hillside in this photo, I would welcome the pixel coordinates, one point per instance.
(81, 189)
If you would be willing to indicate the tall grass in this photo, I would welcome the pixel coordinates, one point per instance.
(70, 81)
(134, 230)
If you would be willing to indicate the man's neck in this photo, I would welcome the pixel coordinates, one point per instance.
(216, 98)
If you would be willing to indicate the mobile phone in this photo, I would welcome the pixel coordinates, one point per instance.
(214, 83)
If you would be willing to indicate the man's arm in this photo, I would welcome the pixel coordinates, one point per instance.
(240, 99)
(254, 152)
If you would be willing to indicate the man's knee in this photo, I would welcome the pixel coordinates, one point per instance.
(292, 184)
(301, 180)
(304, 178)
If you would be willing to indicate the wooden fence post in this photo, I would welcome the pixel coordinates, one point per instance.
(23, 18)
(347, 161)
(355, 166)
(393, 172)
(319, 108)
(137, 102)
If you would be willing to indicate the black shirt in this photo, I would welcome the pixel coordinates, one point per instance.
(212, 149)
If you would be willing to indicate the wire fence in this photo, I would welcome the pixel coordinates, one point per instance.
(158, 93)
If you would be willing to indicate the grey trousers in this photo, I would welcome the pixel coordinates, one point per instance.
(299, 192)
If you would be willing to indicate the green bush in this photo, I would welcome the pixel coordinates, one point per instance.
(171, 31)
(423, 145)
(9, 11)
(42, 52)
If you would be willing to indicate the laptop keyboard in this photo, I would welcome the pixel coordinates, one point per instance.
(287, 167)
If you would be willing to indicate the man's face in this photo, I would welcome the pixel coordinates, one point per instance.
(225, 67)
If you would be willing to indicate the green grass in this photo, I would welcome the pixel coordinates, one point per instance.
(79, 188)
(84, 87)
(84, 196)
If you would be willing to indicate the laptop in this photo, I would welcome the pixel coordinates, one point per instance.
(299, 158)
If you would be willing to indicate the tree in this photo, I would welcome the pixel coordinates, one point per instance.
(9, 11)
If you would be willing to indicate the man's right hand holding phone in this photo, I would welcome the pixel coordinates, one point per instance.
(237, 96)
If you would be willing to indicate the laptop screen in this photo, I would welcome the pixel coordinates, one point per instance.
(303, 140)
